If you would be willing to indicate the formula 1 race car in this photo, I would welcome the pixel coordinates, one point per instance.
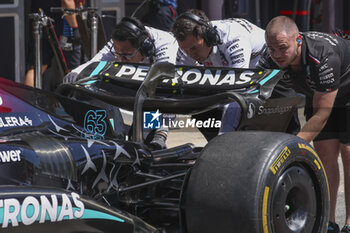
(68, 163)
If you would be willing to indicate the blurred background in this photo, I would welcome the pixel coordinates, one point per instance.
(318, 15)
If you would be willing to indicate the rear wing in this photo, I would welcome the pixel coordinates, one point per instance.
(188, 90)
(192, 80)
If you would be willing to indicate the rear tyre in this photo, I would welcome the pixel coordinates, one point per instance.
(256, 182)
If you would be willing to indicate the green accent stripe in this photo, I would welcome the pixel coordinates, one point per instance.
(273, 73)
(93, 214)
(90, 82)
(88, 214)
(112, 122)
(100, 66)
(270, 76)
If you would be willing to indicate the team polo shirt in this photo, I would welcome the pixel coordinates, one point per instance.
(241, 40)
(165, 50)
(325, 64)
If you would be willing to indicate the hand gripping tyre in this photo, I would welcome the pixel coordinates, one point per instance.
(256, 182)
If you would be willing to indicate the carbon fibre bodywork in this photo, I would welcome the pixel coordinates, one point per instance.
(192, 90)
(69, 166)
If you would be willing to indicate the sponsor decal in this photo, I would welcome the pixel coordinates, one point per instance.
(234, 57)
(31, 210)
(327, 76)
(47, 209)
(323, 67)
(274, 110)
(237, 51)
(15, 121)
(329, 70)
(138, 73)
(331, 40)
(282, 157)
(160, 54)
(329, 81)
(251, 111)
(10, 156)
(240, 60)
(194, 76)
(233, 47)
(244, 23)
(221, 77)
(95, 125)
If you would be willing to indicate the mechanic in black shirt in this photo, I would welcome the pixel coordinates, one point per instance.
(317, 65)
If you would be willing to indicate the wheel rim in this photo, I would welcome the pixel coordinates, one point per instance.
(294, 202)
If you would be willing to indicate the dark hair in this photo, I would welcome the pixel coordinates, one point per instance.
(124, 33)
(184, 26)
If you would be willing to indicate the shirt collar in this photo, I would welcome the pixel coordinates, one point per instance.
(303, 55)
(303, 51)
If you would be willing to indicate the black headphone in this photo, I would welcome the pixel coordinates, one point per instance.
(146, 46)
(211, 35)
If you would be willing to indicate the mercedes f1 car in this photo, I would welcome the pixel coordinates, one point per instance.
(68, 163)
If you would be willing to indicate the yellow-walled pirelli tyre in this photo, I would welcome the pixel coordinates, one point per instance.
(256, 182)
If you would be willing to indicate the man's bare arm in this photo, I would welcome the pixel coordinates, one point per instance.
(70, 4)
(322, 107)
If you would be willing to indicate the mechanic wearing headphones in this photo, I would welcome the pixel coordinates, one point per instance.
(318, 65)
(134, 43)
(235, 43)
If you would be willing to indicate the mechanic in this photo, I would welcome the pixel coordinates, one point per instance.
(235, 43)
(66, 30)
(317, 66)
(134, 43)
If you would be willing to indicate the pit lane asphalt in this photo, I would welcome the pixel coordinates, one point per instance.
(182, 136)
